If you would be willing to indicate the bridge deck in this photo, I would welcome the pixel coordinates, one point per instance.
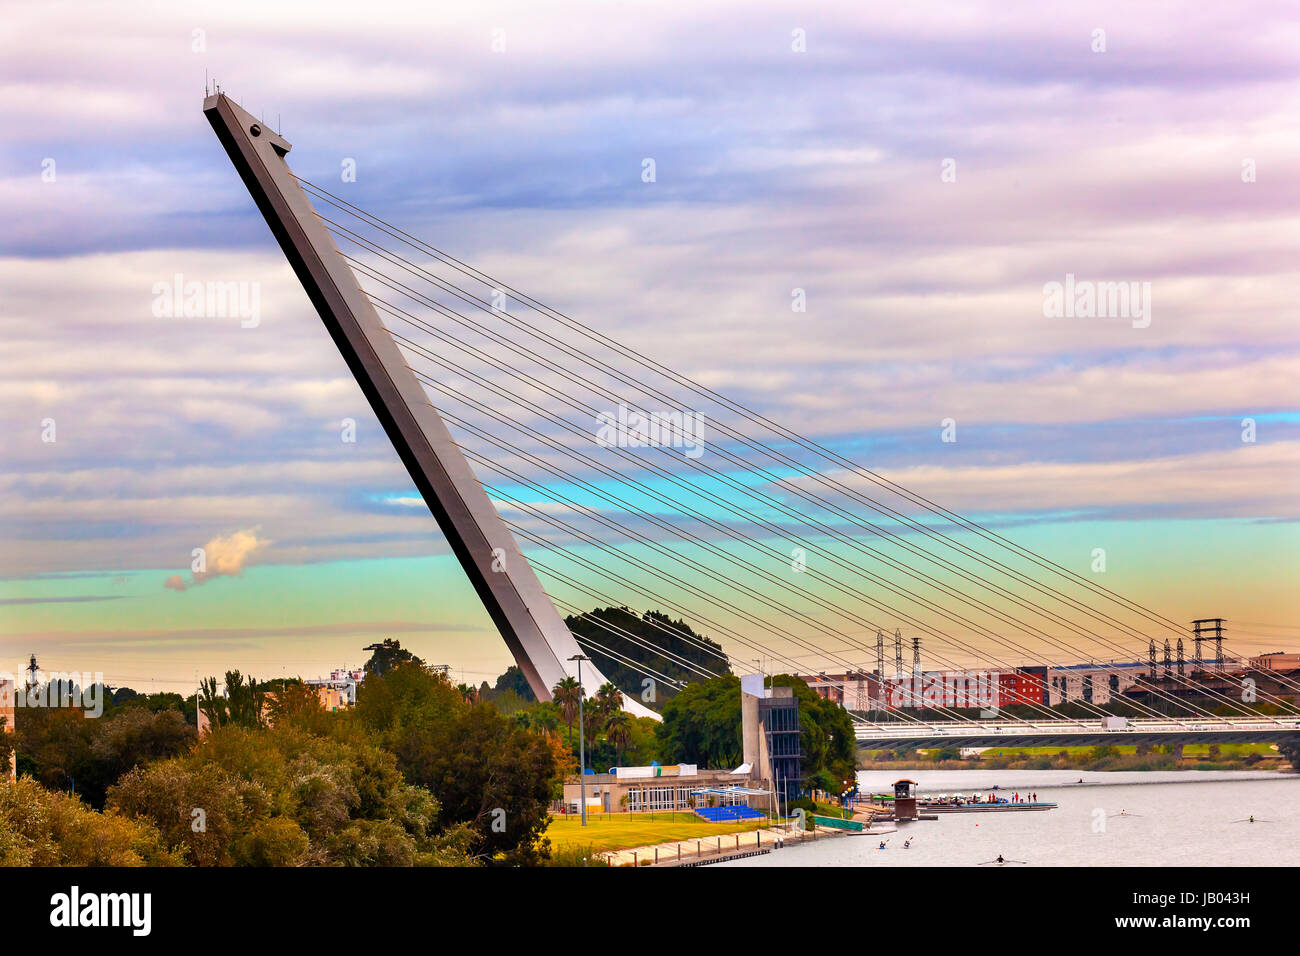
(1041, 733)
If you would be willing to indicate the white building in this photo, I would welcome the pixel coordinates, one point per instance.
(1097, 683)
(342, 680)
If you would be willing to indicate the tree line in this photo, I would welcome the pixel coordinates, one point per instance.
(414, 774)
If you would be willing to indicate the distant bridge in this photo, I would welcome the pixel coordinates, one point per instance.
(1047, 733)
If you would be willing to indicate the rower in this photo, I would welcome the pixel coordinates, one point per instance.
(999, 859)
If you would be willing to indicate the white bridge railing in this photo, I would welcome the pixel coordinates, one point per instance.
(1063, 728)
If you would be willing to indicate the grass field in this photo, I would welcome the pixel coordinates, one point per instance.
(619, 831)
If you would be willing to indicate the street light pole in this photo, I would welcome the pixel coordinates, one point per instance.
(582, 744)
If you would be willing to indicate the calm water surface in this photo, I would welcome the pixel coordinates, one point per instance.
(1174, 818)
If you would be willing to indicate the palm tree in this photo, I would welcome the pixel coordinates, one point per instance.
(565, 693)
(618, 728)
(546, 718)
(609, 700)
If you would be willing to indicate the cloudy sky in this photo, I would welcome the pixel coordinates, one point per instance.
(921, 172)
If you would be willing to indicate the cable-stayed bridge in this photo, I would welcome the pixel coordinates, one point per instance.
(568, 471)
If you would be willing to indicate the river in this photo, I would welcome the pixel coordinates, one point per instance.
(1133, 818)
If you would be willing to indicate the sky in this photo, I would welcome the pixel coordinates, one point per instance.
(918, 174)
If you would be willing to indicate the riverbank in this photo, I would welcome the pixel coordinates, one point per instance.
(618, 831)
(722, 849)
(678, 839)
(1228, 757)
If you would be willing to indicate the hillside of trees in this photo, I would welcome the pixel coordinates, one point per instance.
(626, 634)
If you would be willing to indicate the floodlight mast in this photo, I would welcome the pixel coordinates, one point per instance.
(504, 580)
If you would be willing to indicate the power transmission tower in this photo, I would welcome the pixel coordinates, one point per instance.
(1205, 629)
(879, 696)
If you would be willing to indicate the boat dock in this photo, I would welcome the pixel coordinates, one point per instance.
(978, 806)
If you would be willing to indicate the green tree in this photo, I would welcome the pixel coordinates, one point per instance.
(566, 693)
(6, 743)
(701, 724)
(386, 655)
(513, 680)
(245, 700)
(65, 750)
(274, 841)
(242, 704)
(619, 730)
(284, 796)
(296, 702)
(608, 700)
(643, 744)
(53, 745)
(490, 775)
(408, 696)
(131, 737)
(126, 698)
(211, 703)
(167, 795)
(486, 771)
(544, 717)
(624, 634)
(42, 828)
(1290, 749)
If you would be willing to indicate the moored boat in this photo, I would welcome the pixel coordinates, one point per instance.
(958, 803)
